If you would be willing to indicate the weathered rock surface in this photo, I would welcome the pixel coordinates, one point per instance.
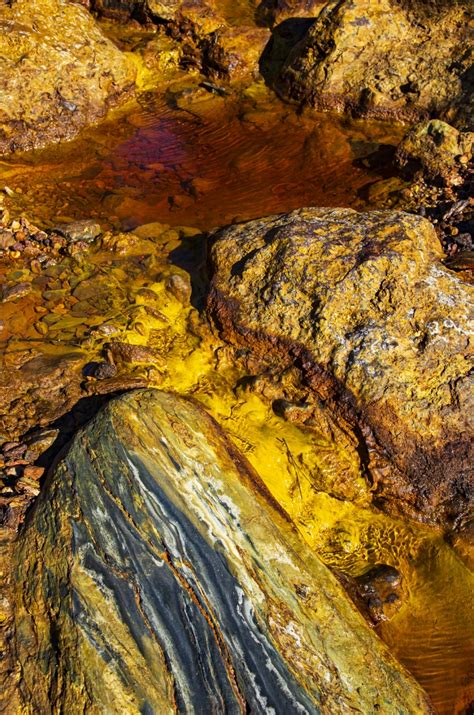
(438, 150)
(156, 575)
(58, 73)
(437, 159)
(362, 304)
(386, 58)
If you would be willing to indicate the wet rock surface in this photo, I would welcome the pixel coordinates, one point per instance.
(169, 578)
(89, 312)
(363, 306)
(385, 58)
(382, 590)
(58, 73)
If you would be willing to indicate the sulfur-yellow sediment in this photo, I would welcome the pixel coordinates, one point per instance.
(131, 285)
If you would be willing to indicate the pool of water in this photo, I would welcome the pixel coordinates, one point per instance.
(209, 163)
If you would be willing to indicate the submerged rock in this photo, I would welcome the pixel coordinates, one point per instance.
(362, 304)
(386, 58)
(156, 575)
(58, 73)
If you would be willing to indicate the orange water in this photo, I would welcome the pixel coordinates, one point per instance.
(215, 162)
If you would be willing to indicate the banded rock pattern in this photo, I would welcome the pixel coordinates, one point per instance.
(156, 575)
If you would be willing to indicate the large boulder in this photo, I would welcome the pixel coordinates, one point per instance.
(156, 575)
(380, 329)
(386, 58)
(58, 73)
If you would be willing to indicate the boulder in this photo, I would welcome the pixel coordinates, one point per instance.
(155, 574)
(386, 58)
(380, 329)
(58, 73)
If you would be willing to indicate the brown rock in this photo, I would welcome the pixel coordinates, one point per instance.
(16, 291)
(58, 73)
(362, 304)
(385, 58)
(87, 230)
(33, 473)
(128, 353)
(436, 149)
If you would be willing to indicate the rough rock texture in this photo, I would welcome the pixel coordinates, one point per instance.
(363, 305)
(58, 72)
(213, 36)
(437, 159)
(438, 149)
(211, 41)
(168, 581)
(386, 58)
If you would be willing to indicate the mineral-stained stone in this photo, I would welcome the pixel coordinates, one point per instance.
(362, 304)
(156, 575)
(402, 58)
(58, 72)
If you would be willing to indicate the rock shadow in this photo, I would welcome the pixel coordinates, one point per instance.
(191, 256)
(284, 37)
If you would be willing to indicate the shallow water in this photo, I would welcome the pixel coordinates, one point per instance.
(205, 161)
(213, 162)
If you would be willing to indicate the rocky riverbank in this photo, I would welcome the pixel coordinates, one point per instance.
(294, 494)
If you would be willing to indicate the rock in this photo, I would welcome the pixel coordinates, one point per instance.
(58, 73)
(381, 330)
(386, 58)
(155, 574)
(233, 53)
(436, 157)
(33, 473)
(436, 149)
(39, 442)
(101, 370)
(87, 230)
(206, 14)
(381, 589)
(36, 389)
(180, 287)
(16, 291)
(129, 353)
(120, 10)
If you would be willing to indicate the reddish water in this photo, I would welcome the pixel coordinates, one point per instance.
(216, 162)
